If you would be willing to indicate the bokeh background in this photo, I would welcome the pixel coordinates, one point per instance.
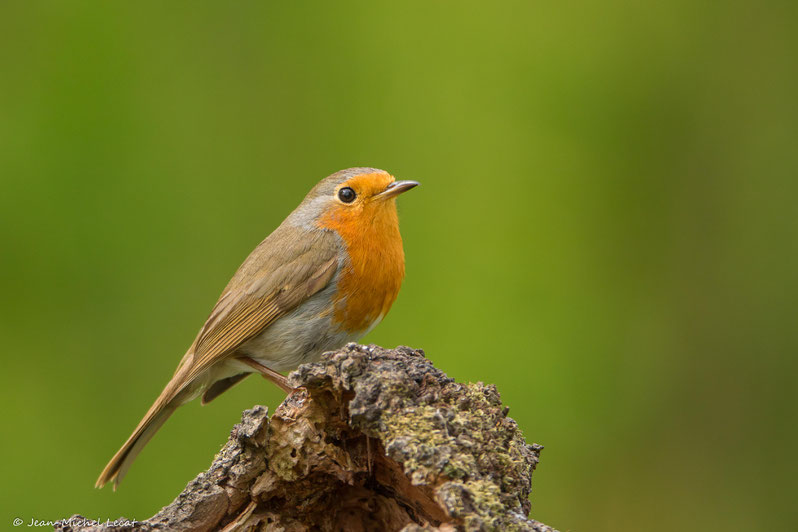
(606, 230)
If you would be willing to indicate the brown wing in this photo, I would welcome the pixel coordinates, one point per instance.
(255, 299)
(278, 275)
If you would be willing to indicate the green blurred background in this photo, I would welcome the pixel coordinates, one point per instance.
(606, 230)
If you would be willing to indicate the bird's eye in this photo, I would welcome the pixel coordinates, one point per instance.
(347, 195)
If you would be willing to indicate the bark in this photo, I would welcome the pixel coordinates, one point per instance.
(374, 439)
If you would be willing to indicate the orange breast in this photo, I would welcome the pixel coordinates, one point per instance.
(369, 283)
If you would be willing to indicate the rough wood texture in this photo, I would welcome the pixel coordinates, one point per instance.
(376, 439)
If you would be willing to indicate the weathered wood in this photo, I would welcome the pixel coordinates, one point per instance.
(374, 439)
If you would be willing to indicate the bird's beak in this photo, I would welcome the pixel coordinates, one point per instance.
(396, 188)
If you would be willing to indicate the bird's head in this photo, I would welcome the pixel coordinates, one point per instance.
(355, 199)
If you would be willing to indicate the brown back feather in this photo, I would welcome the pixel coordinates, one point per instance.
(284, 270)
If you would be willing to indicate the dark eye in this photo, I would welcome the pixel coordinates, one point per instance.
(347, 195)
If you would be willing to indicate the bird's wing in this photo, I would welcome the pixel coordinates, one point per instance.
(279, 275)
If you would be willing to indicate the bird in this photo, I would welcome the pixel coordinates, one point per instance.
(326, 276)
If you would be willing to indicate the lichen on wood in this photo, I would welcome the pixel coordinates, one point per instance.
(373, 439)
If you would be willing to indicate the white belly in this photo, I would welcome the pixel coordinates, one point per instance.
(298, 337)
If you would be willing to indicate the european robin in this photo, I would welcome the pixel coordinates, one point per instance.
(326, 276)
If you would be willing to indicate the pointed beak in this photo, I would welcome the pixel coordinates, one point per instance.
(396, 188)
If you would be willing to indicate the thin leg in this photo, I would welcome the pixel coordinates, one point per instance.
(268, 374)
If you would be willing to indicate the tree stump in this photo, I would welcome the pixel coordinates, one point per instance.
(373, 439)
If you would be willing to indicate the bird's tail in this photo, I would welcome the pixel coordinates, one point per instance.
(172, 396)
(123, 459)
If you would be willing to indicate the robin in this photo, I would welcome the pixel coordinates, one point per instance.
(326, 276)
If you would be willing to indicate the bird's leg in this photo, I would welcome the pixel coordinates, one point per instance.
(268, 374)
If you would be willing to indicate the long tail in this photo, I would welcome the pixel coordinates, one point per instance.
(172, 396)
(117, 468)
